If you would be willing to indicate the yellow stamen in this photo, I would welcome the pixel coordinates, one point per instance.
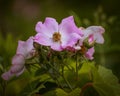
(56, 37)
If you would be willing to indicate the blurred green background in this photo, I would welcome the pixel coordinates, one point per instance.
(18, 19)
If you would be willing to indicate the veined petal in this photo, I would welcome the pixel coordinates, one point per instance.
(42, 39)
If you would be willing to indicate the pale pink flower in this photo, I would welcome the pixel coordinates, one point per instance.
(58, 37)
(94, 34)
(89, 53)
(25, 50)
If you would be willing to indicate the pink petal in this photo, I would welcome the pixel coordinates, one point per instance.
(86, 33)
(18, 59)
(25, 47)
(6, 75)
(69, 31)
(17, 69)
(51, 25)
(68, 26)
(47, 28)
(89, 53)
(91, 39)
(56, 46)
(43, 40)
(96, 32)
(99, 38)
(72, 40)
(99, 29)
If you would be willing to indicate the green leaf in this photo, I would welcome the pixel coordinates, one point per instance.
(60, 92)
(106, 83)
(32, 88)
(75, 92)
(85, 73)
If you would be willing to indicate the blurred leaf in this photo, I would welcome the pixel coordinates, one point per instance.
(106, 83)
(32, 88)
(75, 92)
(60, 92)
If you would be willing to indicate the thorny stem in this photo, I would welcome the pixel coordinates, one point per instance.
(85, 87)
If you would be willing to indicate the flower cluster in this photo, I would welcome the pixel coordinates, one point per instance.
(65, 36)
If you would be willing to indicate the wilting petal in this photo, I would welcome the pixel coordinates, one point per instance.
(89, 53)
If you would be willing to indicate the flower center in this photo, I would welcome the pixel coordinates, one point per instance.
(56, 37)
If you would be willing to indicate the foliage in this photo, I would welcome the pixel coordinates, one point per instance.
(58, 74)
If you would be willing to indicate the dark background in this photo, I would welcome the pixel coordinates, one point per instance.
(18, 19)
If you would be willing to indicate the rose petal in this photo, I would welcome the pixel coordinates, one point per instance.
(18, 59)
(25, 47)
(51, 24)
(6, 75)
(89, 53)
(17, 69)
(68, 26)
(43, 29)
(43, 40)
(99, 29)
(99, 38)
(56, 46)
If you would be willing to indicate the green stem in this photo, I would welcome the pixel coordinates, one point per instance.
(76, 66)
(4, 88)
(66, 79)
(62, 75)
(57, 73)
